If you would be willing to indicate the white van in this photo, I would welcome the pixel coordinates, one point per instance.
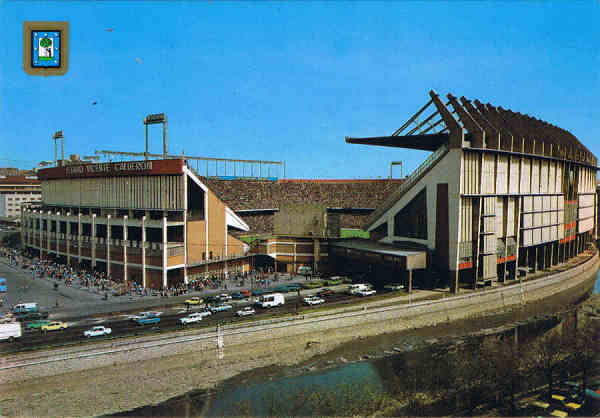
(25, 307)
(354, 289)
(271, 300)
(305, 270)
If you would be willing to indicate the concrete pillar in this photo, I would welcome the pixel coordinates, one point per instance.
(294, 257)
(79, 237)
(543, 256)
(48, 233)
(93, 240)
(125, 278)
(164, 266)
(453, 281)
(68, 238)
(107, 245)
(144, 251)
(41, 233)
(57, 233)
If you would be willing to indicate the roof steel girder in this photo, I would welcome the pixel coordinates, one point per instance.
(492, 134)
(457, 133)
(477, 133)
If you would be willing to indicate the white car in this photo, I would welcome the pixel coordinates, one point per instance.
(224, 297)
(393, 287)
(248, 310)
(191, 318)
(365, 292)
(97, 331)
(313, 300)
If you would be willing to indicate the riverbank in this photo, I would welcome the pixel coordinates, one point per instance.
(375, 349)
(126, 386)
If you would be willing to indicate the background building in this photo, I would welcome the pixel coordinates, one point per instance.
(501, 193)
(16, 191)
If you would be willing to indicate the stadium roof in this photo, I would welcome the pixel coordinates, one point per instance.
(481, 125)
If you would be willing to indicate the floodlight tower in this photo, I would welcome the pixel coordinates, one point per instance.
(154, 119)
(59, 135)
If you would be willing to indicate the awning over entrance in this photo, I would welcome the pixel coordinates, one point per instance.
(375, 252)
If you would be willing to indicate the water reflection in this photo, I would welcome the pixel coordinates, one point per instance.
(263, 398)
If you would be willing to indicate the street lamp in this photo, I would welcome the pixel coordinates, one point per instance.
(152, 120)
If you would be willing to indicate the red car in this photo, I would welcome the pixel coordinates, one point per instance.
(325, 292)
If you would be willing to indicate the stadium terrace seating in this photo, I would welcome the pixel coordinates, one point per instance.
(245, 194)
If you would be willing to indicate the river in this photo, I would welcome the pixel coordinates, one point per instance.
(260, 394)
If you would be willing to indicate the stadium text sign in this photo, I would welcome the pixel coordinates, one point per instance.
(127, 168)
(108, 167)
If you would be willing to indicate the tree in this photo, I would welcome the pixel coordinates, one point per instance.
(46, 43)
(582, 350)
(506, 368)
(545, 355)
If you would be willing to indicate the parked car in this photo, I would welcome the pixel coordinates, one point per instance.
(194, 301)
(97, 331)
(237, 295)
(293, 287)
(221, 308)
(305, 270)
(25, 307)
(334, 280)
(325, 292)
(365, 292)
(36, 324)
(31, 316)
(54, 326)
(147, 320)
(257, 292)
(313, 300)
(224, 297)
(248, 310)
(211, 299)
(191, 318)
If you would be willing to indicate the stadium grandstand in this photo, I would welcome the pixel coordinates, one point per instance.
(256, 200)
(502, 194)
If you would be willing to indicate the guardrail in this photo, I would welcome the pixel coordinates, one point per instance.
(411, 310)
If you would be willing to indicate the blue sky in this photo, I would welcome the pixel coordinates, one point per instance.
(288, 80)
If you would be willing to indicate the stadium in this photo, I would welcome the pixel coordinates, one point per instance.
(501, 195)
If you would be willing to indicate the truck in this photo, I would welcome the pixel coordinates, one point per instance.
(25, 307)
(10, 331)
(271, 300)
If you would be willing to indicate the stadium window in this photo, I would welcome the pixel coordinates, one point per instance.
(203, 256)
(411, 221)
(210, 255)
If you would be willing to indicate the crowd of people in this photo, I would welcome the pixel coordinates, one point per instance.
(102, 283)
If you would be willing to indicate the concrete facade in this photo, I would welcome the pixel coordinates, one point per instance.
(145, 227)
